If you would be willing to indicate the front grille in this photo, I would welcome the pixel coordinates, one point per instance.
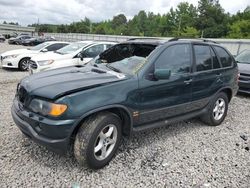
(244, 77)
(33, 64)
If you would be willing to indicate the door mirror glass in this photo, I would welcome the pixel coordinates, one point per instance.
(162, 74)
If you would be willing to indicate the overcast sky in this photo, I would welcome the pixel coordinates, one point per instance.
(66, 11)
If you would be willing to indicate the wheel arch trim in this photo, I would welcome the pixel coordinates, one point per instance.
(104, 108)
(225, 89)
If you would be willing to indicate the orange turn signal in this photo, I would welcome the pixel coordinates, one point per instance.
(57, 109)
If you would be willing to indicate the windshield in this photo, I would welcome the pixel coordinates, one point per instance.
(71, 48)
(243, 57)
(39, 46)
(129, 65)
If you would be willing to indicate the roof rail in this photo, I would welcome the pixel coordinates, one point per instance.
(202, 39)
(145, 38)
(206, 40)
(173, 39)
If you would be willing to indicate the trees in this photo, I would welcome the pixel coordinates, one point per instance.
(240, 25)
(207, 20)
(212, 20)
(11, 23)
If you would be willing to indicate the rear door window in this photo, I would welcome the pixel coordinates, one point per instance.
(203, 58)
(225, 59)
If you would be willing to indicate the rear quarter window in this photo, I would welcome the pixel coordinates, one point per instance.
(225, 59)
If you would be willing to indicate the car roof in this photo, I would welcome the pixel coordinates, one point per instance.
(84, 41)
(53, 42)
(141, 40)
(104, 42)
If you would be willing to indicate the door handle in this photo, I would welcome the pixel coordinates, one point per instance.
(188, 81)
(219, 74)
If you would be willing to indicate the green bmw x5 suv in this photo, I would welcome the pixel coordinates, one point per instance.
(89, 108)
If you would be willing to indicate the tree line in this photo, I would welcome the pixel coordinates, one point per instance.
(208, 20)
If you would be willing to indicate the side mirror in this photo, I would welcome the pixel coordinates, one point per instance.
(44, 50)
(81, 55)
(162, 74)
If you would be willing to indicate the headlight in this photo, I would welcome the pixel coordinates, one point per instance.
(47, 62)
(10, 56)
(47, 108)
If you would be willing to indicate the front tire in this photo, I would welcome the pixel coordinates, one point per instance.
(217, 110)
(97, 140)
(24, 64)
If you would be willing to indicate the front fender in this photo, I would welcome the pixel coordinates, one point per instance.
(128, 122)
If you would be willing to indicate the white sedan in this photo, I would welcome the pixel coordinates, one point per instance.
(78, 53)
(20, 58)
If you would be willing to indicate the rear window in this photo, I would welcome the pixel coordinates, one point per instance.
(225, 59)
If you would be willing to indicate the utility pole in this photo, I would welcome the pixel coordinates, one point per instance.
(38, 26)
(179, 27)
(90, 27)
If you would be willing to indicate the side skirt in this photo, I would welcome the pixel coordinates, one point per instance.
(168, 121)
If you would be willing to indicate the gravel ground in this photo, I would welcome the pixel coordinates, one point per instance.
(186, 154)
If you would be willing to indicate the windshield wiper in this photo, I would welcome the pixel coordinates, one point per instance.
(113, 68)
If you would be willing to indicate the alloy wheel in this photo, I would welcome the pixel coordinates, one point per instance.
(219, 109)
(25, 64)
(105, 142)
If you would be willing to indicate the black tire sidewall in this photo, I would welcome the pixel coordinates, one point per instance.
(225, 98)
(90, 158)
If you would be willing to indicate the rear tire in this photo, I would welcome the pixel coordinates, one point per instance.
(217, 110)
(97, 140)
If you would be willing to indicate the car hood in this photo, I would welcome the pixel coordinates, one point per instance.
(59, 82)
(244, 68)
(51, 55)
(19, 51)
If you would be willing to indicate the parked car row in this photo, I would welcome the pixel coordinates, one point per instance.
(20, 58)
(51, 55)
(33, 41)
(27, 40)
(78, 53)
(18, 39)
